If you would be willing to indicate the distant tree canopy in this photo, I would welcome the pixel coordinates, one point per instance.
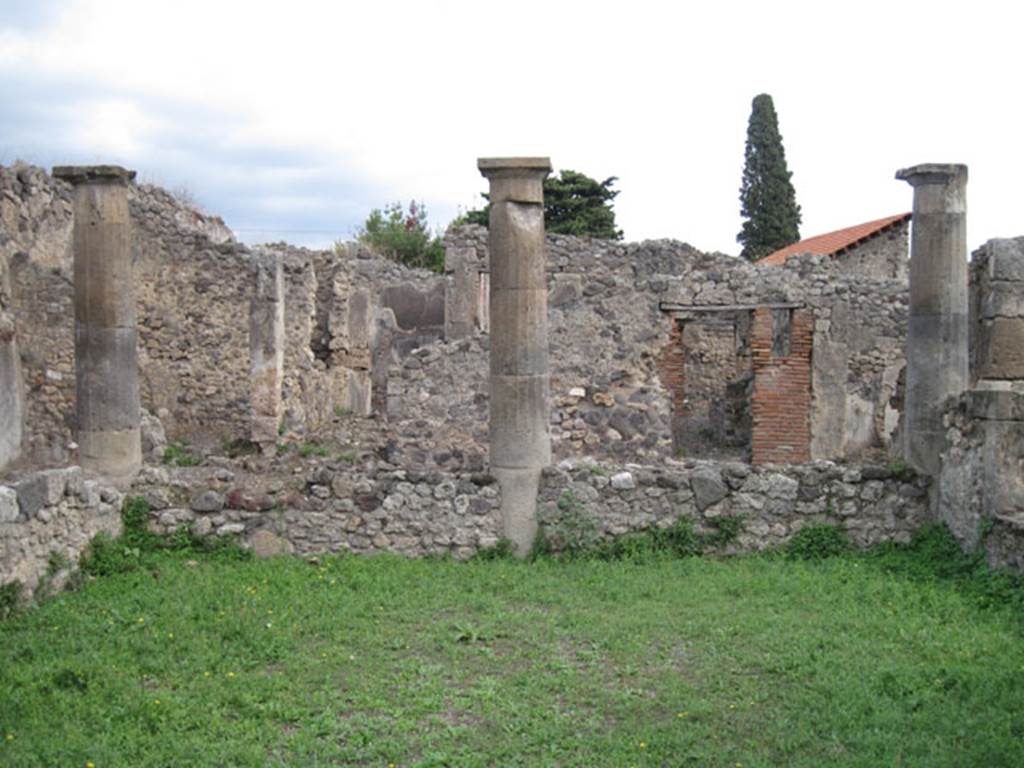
(574, 204)
(403, 236)
(767, 198)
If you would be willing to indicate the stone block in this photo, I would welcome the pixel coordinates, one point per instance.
(41, 490)
(207, 501)
(265, 543)
(708, 488)
(1006, 258)
(1000, 352)
(9, 508)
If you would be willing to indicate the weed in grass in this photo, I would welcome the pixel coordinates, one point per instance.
(179, 455)
(349, 457)
(341, 411)
(846, 661)
(933, 555)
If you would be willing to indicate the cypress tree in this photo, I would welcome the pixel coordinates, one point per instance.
(767, 198)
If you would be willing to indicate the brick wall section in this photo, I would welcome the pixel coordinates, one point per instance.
(782, 391)
(672, 367)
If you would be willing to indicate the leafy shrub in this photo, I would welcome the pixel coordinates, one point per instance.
(312, 449)
(503, 549)
(817, 542)
(403, 237)
(568, 530)
(136, 544)
(10, 598)
(178, 455)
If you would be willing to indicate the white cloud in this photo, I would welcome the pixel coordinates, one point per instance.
(399, 99)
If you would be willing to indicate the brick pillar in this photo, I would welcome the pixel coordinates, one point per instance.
(672, 370)
(781, 342)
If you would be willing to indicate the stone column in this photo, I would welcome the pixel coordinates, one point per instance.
(106, 365)
(11, 394)
(266, 349)
(519, 436)
(937, 354)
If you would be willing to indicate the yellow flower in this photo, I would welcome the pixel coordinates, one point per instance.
(90, 764)
(682, 714)
(206, 674)
(156, 701)
(643, 745)
(9, 737)
(231, 674)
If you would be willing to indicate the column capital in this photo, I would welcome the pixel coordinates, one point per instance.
(515, 179)
(932, 173)
(93, 174)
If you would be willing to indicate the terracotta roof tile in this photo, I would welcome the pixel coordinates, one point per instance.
(833, 243)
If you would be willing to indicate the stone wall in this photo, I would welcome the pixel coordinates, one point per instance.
(619, 364)
(883, 256)
(46, 521)
(981, 483)
(996, 298)
(330, 506)
(770, 503)
(195, 291)
(333, 507)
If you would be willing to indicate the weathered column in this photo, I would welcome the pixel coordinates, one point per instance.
(106, 365)
(266, 349)
(11, 395)
(519, 437)
(937, 354)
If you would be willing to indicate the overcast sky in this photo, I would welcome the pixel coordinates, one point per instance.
(293, 119)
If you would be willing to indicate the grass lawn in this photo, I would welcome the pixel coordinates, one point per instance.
(759, 661)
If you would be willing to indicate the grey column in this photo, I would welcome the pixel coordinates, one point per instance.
(937, 354)
(106, 363)
(266, 349)
(519, 436)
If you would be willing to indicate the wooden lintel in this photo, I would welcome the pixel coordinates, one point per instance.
(666, 306)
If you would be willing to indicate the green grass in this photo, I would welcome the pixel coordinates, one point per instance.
(892, 658)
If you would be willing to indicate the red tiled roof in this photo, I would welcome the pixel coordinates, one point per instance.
(834, 243)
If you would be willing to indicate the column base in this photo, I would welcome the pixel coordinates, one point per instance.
(114, 454)
(519, 489)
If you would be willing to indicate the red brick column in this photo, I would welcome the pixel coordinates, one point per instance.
(781, 404)
(672, 367)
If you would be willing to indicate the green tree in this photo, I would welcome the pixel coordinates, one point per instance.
(574, 204)
(403, 236)
(767, 198)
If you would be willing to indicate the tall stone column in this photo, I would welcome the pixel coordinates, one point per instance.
(106, 363)
(266, 349)
(519, 436)
(937, 354)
